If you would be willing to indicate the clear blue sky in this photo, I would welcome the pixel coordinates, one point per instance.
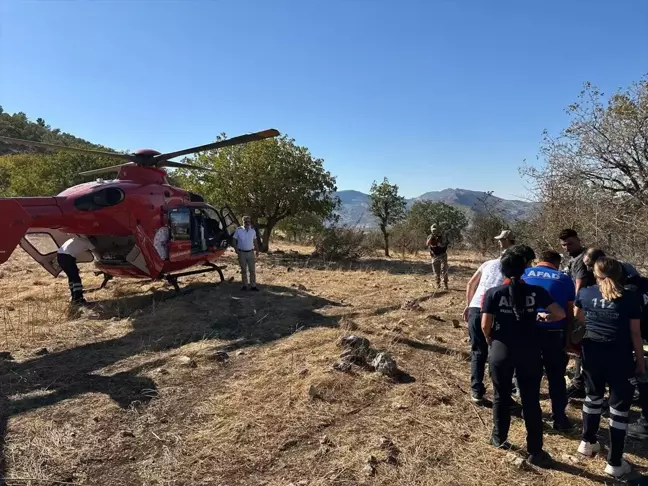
(431, 93)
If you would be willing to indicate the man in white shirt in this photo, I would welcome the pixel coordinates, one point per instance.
(66, 256)
(487, 276)
(245, 244)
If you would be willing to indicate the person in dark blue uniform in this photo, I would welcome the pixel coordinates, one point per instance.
(582, 277)
(611, 315)
(630, 274)
(552, 335)
(509, 314)
(639, 429)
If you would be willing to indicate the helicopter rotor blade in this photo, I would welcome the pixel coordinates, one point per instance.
(104, 170)
(52, 146)
(170, 163)
(251, 137)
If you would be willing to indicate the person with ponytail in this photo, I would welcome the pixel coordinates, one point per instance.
(611, 315)
(509, 315)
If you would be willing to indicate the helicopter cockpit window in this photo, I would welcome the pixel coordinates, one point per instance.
(180, 223)
(103, 198)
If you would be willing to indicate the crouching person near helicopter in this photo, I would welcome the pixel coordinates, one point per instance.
(245, 243)
(509, 315)
(66, 256)
(611, 315)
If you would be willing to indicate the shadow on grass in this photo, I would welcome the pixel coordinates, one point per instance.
(160, 321)
(580, 472)
(435, 348)
(393, 265)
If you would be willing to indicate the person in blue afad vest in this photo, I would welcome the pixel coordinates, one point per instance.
(552, 335)
(611, 315)
(509, 314)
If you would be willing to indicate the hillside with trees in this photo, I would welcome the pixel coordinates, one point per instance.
(17, 125)
(30, 171)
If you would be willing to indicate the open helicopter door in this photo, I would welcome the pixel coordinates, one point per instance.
(231, 223)
(144, 255)
(42, 244)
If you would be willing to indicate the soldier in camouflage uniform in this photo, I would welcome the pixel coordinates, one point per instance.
(438, 245)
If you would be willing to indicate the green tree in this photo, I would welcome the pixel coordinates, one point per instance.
(270, 180)
(17, 125)
(482, 231)
(387, 207)
(37, 174)
(302, 226)
(451, 220)
(29, 171)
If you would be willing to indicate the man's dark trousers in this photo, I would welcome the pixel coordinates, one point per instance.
(552, 346)
(478, 351)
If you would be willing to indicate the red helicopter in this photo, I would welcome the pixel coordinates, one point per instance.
(124, 216)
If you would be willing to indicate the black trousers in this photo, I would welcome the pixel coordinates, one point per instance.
(604, 364)
(478, 350)
(523, 359)
(554, 361)
(69, 265)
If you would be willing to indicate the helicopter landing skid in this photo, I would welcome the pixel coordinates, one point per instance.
(106, 278)
(173, 279)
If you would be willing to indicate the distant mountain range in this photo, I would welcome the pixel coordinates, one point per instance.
(356, 205)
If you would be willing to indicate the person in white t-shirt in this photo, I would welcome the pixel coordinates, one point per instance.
(487, 276)
(245, 244)
(66, 256)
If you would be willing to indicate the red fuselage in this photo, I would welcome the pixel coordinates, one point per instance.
(136, 205)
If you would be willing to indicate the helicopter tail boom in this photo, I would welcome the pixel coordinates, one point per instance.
(15, 221)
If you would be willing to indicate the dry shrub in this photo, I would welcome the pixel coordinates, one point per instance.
(341, 243)
(595, 176)
(406, 239)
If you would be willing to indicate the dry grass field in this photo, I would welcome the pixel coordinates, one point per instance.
(140, 393)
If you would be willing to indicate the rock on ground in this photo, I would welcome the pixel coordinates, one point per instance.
(385, 364)
(515, 460)
(219, 356)
(187, 361)
(343, 366)
(356, 348)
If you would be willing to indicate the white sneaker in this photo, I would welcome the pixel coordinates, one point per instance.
(587, 449)
(618, 471)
